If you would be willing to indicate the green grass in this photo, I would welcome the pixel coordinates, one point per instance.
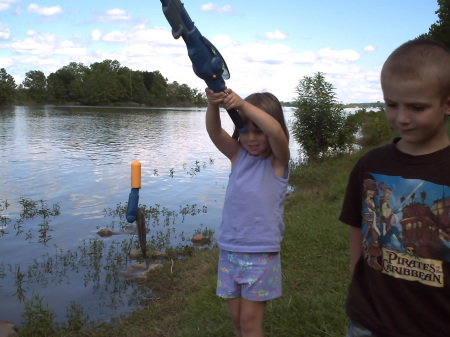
(315, 263)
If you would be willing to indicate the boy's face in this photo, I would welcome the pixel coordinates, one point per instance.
(417, 112)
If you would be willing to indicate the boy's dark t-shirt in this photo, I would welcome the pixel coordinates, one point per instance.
(401, 285)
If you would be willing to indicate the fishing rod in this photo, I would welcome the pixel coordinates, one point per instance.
(206, 60)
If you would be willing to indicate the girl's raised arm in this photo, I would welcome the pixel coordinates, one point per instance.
(278, 140)
(220, 138)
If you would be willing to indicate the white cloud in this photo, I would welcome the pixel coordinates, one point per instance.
(45, 11)
(372, 76)
(275, 35)
(4, 32)
(67, 47)
(263, 53)
(214, 8)
(44, 46)
(6, 4)
(96, 35)
(304, 57)
(35, 44)
(156, 36)
(116, 36)
(5, 62)
(222, 40)
(31, 32)
(369, 48)
(340, 56)
(113, 15)
(46, 65)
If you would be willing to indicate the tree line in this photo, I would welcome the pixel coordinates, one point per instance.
(101, 83)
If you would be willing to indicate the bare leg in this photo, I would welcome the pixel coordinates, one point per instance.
(235, 311)
(247, 317)
(252, 317)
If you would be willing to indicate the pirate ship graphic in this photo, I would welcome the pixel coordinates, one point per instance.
(425, 230)
(405, 218)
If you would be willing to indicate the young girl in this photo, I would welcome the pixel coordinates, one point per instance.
(252, 225)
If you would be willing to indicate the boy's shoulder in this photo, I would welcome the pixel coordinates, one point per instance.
(388, 160)
(392, 153)
(380, 152)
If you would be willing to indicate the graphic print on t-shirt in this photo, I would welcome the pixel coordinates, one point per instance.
(406, 227)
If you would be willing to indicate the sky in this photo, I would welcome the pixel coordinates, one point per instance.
(267, 45)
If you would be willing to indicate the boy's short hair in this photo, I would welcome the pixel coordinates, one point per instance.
(420, 59)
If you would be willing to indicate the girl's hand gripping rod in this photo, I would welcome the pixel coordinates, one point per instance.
(207, 62)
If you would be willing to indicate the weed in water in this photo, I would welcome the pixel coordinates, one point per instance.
(33, 209)
(19, 283)
(4, 220)
(98, 262)
(37, 319)
(75, 318)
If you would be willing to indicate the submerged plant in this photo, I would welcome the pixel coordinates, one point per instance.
(37, 319)
(31, 210)
(4, 221)
(19, 283)
(75, 318)
(99, 262)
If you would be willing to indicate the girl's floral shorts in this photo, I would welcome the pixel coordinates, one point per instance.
(253, 276)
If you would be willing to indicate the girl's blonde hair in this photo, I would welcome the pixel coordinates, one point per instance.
(269, 104)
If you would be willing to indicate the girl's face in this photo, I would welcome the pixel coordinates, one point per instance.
(416, 111)
(255, 141)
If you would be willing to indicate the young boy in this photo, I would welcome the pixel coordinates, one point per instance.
(397, 204)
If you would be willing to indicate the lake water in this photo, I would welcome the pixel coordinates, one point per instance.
(79, 159)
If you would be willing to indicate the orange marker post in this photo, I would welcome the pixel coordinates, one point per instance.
(136, 174)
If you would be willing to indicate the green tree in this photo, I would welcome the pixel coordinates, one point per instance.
(321, 126)
(374, 127)
(35, 84)
(440, 31)
(79, 71)
(58, 85)
(199, 97)
(133, 84)
(102, 85)
(179, 93)
(156, 85)
(7, 87)
(105, 82)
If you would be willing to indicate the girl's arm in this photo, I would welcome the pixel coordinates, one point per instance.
(270, 126)
(220, 138)
(355, 247)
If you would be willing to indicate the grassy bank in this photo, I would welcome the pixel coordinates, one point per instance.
(315, 273)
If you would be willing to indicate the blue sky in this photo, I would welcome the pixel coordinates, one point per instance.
(267, 45)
